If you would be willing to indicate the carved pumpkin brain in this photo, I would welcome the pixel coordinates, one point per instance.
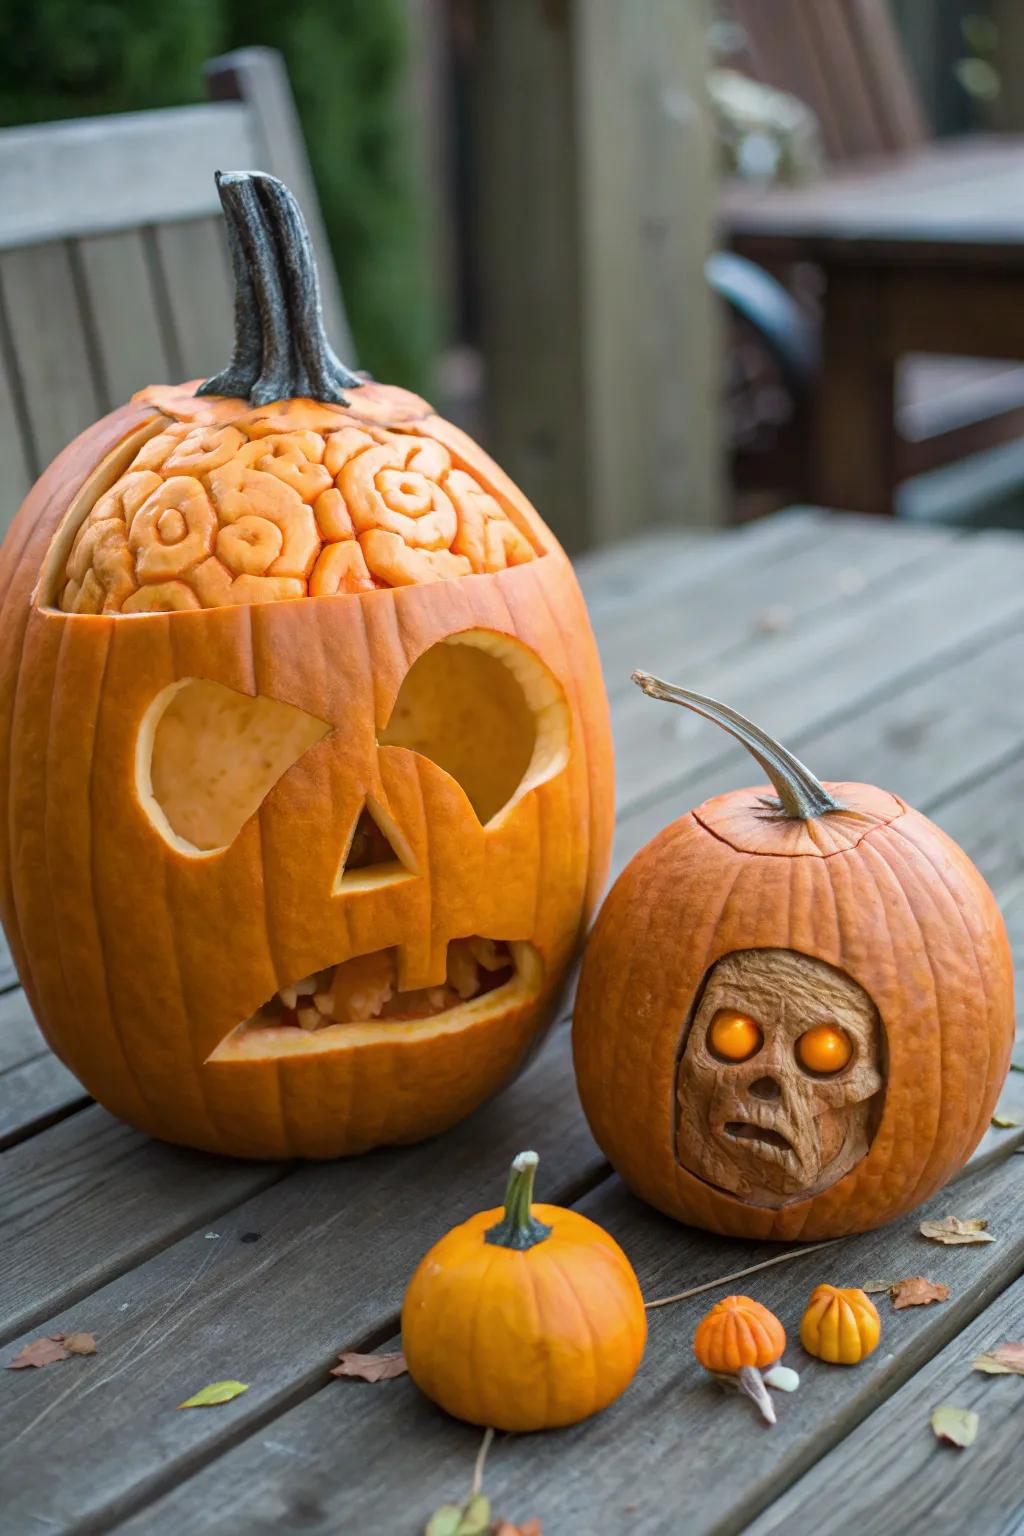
(304, 744)
(260, 510)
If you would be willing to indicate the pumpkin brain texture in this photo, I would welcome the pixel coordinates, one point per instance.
(303, 744)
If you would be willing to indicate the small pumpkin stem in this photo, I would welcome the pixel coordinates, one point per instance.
(752, 1385)
(518, 1228)
(281, 350)
(801, 796)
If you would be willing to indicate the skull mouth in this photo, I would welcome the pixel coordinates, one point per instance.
(358, 1000)
(746, 1130)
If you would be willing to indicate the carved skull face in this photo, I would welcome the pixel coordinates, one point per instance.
(780, 1083)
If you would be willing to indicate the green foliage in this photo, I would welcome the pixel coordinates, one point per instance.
(346, 64)
(76, 58)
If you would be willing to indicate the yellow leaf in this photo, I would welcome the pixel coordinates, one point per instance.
(952, 1230)
(216, 1392)
(957, 1426)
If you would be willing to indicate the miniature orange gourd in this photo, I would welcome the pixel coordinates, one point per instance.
(740, 1338)
(841, 1327)
(524, 1318)
(305, 767)
(795, 1011)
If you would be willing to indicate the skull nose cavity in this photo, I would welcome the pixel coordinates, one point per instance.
(765, 1088)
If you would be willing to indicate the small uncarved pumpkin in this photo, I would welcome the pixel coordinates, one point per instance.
(524, 1318)
(841, 1327)
(738, 1331)
(795, 1013)
(740, 1338)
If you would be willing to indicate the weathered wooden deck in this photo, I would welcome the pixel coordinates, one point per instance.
(879, 652)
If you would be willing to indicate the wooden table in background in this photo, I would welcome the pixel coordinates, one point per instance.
(877, 651)
(923, 254)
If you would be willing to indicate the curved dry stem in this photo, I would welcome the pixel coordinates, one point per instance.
(802, 796)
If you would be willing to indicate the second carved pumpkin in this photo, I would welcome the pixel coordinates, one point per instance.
(795, 1012)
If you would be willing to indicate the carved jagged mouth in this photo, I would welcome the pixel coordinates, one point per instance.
(359, 1000)
(743, 1130)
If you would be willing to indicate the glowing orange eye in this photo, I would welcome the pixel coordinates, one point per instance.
(825, 1048)
(735, 1036)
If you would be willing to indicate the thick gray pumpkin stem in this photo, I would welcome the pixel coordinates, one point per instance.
(281, 350)
(802, 796)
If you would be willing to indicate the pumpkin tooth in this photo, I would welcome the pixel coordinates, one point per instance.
(323, 1002)
(306, 987)
(308, 1018)
(289, 996)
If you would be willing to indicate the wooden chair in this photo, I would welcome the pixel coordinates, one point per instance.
(114, 270)
(845, 60)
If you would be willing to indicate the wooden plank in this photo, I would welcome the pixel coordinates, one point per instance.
(36, 1095)
(17, 451)
(107, 173)
(833, 568)
(20, 1040)
(191, 275)
(93, 1197)
(892, 1476)
(885, 66)
(117, 287)
(343, 1452)
(600, 392)
(325, 1269)
(878, 647)
(42, 304)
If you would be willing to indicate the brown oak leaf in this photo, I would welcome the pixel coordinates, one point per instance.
(952, 1230)
(1005, 1360)
(40, 1352)
(917, 1292)
(371, 1367)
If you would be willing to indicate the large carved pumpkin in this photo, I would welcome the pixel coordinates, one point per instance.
(795, 1013)
(304, 750)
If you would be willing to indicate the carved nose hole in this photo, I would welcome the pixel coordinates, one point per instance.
(765, 1088)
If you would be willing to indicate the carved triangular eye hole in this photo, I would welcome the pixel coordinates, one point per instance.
(207, 756)
(484, 708)
(375, 854)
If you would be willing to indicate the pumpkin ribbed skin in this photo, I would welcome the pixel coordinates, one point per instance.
(524, 1340)
(841, 1327)
(138, 961)
(876, 891)
(738, 1332)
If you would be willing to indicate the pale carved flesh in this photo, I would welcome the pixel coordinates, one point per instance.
(766, 1129)
(206, 515)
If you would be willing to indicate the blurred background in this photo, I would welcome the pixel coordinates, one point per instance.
(673, 261)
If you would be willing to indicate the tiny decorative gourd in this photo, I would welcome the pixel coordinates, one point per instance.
(739, 1338)
(841, 1327)
(795, 1012)
(524, 1318)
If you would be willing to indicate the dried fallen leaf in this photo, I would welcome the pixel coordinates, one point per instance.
(216, 1392)
(77, 1343)
(957, 1426)
(917, 1292)
(952, 1230)
(877, 1287)
(1005, 1360)
(371, 1367)
(1004, 1122)
(470, 1519)
(506, 1528)
(40, 1352)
